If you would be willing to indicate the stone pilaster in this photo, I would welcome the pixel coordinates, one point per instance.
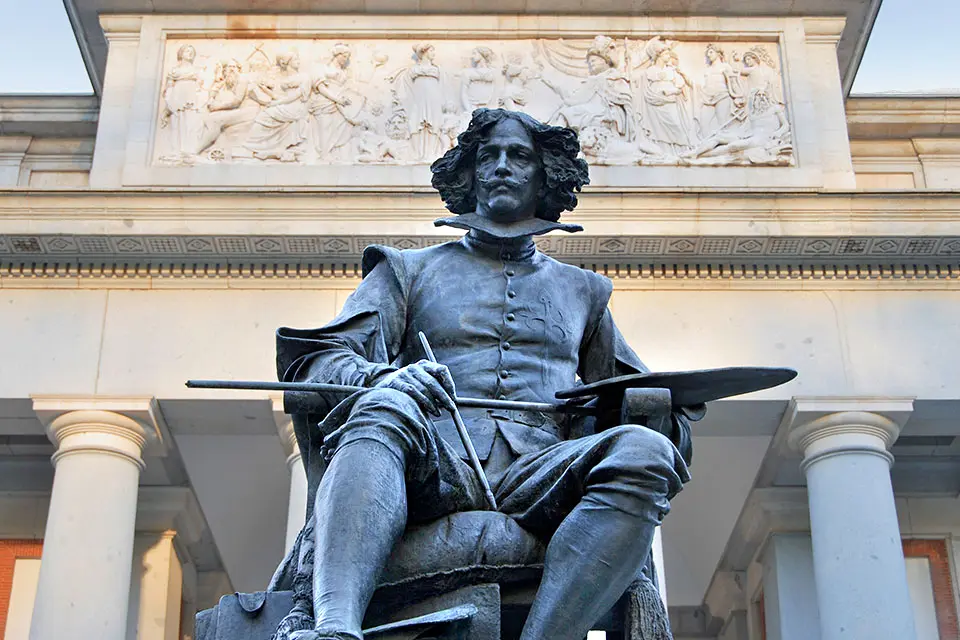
(84, 582)
(12, 151)
(857, 556)
(123, 37)
(822, 36)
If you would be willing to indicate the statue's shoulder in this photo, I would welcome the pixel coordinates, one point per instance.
(406, 261)
(583, 281)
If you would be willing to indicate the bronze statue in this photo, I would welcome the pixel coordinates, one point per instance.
(506, 322)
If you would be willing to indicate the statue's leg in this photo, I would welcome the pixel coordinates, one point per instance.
(361, 504)
(361, 511)
(604, 495)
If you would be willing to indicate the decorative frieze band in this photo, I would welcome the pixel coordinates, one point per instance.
(338, 249)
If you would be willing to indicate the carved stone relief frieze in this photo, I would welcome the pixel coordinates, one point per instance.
(402, 102)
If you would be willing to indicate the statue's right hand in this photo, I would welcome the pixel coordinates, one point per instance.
(428, 383)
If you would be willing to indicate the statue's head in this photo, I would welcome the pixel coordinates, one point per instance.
(186, 53)
(508, 166)
(340, 55)
(232, 69)
(713, 53)
(423, 51)
(481, 56)
(600, 55)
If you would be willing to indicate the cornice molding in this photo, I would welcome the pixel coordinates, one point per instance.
(900, 117)
(346, 275)
(43, 116)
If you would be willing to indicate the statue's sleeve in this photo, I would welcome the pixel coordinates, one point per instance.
(605, 354)
(357, 347)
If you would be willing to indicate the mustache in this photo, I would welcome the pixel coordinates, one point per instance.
(513, 183)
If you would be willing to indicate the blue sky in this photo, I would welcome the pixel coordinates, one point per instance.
(913, 48)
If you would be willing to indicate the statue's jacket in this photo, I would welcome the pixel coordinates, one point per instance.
(508, 321)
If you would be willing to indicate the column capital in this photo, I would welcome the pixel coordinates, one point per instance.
(823, 427)
(123, 426)
(121, 28)
(823, 30)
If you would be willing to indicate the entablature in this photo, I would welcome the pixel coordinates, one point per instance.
(903, 235)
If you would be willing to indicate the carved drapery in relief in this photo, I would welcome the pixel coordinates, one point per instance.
(651, 101)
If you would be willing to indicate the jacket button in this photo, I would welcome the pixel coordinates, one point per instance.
(511, 317)
(506, 346)
(511, 294)
(504, 374)
(510, 273)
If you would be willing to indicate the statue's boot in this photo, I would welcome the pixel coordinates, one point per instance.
(593, 557)
(361, 508)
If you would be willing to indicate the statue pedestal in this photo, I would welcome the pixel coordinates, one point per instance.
(470, 613)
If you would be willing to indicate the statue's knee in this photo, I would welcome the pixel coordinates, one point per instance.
(633, 440)
(387, 400)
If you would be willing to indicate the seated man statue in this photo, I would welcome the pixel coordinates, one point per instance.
(506, 322)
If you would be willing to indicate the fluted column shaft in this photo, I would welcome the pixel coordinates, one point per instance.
(85, 570)
(858, 559)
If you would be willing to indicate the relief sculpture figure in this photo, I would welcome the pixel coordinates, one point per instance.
(507, 322)
(665, 100)
(763, 138)
(421, 86)
(478, 82)
(279, 130)
(181, 105)
(759, 73)
(230, 110)
(721, 92)
(603, 99)
(335, 107)
(516, 93)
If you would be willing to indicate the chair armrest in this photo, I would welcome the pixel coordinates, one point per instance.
(651, 407)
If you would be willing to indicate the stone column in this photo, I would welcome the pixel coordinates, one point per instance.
(656, 549)
(789, 588)
(156, 590)
(857, 556)
(84, 582)
(297, 505)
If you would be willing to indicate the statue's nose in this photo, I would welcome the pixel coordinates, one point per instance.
(502, 168)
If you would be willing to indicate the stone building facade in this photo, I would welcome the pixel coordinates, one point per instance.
(232, 167)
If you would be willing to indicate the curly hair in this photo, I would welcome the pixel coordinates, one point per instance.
(558, 150)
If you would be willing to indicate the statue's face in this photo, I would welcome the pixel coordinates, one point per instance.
(188, 53)
(509, 173)
(596, 64)
(711, 55)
